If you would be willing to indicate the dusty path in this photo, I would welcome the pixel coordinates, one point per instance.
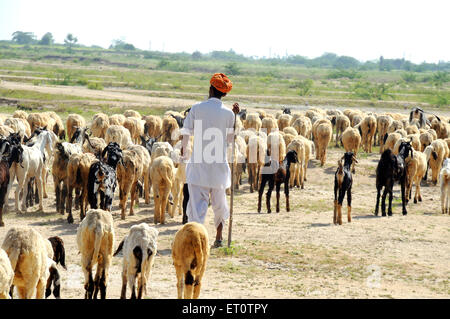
(291, 255)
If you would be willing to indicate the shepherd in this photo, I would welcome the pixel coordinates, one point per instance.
(208, 174)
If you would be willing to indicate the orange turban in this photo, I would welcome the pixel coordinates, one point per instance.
(221, 82)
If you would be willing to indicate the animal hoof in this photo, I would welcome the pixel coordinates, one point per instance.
(2, 224)
(70, 219)
(415, 201)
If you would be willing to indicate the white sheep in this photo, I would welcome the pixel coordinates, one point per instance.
(95, 240)
(6, 275)
(139, 251)
(118, 134)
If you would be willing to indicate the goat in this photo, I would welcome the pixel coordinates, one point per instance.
(343, 181)
(276, 174)
(392, 168)
(102, 177)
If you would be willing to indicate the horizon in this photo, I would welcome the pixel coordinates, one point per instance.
(362, 31)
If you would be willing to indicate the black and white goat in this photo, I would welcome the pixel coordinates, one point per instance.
(275, 175)
(102, 178)
(390, 169)
(343, 181)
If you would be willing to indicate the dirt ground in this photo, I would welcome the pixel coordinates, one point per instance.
(299, 254)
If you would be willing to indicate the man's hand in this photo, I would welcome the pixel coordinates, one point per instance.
(236, 108)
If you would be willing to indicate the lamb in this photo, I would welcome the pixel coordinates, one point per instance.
(368, 128)
(390, 139)
(390, 169)
(343, 181)
(128, 173)
(190, 252)
(99, 125)
(322, 132)
(102, 178)
(252, 121)
(132, 113)
(276, 174)
(383, 123)
(284, 121)
(139, 251)
(170, 129)
(144, 160)
(73, 121)
(95, 240)
(162, 175)
(28, 253)
(117, 119)
(444, 177)
(436, 152)
(6, 275)
(152, 126)
(77, 178)
(303, 126)
(269, 125)
(341, 122)
(416, 169)
(136, 128)
(119, 135)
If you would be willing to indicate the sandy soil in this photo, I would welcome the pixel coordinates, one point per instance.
(290, 255)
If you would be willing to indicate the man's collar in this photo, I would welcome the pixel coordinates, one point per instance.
(215, 99)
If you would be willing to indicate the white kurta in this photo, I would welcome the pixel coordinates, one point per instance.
(211, 123)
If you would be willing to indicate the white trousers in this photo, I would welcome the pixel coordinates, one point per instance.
(197, 205)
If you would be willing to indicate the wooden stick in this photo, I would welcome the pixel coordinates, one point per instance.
(230, 225)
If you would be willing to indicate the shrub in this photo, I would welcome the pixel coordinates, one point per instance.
(232, 68)
(95, 86)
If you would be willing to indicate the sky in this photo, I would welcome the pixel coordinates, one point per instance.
(415, 30)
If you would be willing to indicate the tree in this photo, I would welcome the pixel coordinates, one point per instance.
(232, 68)
(197, 55)
(23, 37)
(47, 39)
(70, 41)
(121, 45)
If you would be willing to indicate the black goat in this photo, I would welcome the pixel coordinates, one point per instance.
(102, 177)
(179, 119)
(343, 181)
(275, 179)
(148, 143)
(242, 114)
(390, 169)
(59, 256)
(10, 151)
(286, 110)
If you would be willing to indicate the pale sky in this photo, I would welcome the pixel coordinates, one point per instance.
(365, 29)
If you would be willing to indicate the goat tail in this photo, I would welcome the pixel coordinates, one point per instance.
(14, 258)
(118, 250)
(78, 179)
(385, 138)
(199, 246)
(98, 231)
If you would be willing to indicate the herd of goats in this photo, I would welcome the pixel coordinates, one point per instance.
(139, 153)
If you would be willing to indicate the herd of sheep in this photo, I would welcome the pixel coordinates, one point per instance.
(141, 154)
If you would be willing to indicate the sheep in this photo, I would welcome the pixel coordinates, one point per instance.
(246, 134)
(255, 153)
(94, 145)
(356, 119)
(276, 174)
(290, 130)
(368, 128)
(392, 168)
(119, 135)
(162, 175)
(297, 169)
(288, 138)
(444, 177)
(59, 171)
(284, 121)
(276, 146)
(128, 173)
(152, 126)
(390, 139)
(102, 178)
(262, 114)
(77, 178)
(269, 125)
(136, 128)
(351, 140)
(144, 160)
(5, 165)
(394, 126)
(425, 138)
(99, 125)
(20, 126)
(132, 113)
(436, 153)
(322, 131)
(73, 121)
(341, 122)
(95, 240)
(442, 129)
(40, 120)
(447, 140)
(58, 127)
(5, 130)
(28, 253)
(169, 129)
(402, 132)
(6, 275)
(412, 129)
(190, 252)
(433, 133)
(416, 169)
(139, 251)
(19, 114)
(252, 121)
(343, 181)
(117, 119)
(383, 123)
(415, 141)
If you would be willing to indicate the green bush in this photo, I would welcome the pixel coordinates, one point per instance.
(232, 68)
(409, 77)
(95, 86)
